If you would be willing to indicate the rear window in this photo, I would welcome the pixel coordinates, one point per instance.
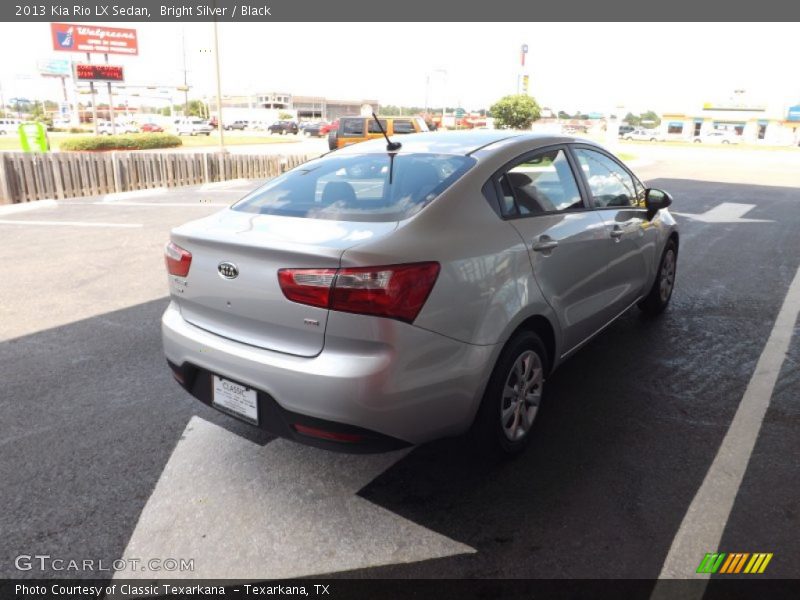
(366, 187)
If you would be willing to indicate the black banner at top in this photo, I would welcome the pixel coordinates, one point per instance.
(405, 11)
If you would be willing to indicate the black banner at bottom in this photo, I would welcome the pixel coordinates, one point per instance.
(416, 589)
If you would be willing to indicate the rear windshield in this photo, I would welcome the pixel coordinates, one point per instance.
(366, 187)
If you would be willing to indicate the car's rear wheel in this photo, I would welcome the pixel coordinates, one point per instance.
(513, 395)
(696, 141)
(657, 299)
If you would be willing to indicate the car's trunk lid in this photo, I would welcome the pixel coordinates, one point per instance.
(251, 307)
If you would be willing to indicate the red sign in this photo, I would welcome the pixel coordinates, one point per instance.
(69, 37)
(88, 72)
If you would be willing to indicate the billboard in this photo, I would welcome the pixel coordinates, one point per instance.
(794, 113)
(55, 67)
(89, 72)
(70, 37)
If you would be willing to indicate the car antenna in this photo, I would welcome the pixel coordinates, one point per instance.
(390, 145)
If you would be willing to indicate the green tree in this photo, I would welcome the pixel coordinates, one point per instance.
(652, 119)
(285, 116)
(515, 112)
(632, 119)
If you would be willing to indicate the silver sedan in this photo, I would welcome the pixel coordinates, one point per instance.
(379, 296)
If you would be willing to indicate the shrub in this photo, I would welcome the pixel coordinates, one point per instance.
(146, 141)
(515, 112)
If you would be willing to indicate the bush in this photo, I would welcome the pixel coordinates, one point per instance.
(515, 112)
(147, 141)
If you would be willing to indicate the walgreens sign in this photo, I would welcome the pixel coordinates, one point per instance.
(68, 37)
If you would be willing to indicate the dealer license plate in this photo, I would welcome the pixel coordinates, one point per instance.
(236, 399)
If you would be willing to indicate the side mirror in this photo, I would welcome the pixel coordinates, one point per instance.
(655, 200)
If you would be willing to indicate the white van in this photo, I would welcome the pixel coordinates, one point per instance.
(193, 126)
(9, 126)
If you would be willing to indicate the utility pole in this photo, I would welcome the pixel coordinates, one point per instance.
(111, 105)
(94, 100)
(220, 128)
(185, 78)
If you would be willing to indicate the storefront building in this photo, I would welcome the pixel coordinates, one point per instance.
(755, 124)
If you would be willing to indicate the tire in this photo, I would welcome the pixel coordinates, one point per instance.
(501, 425)
(653, 140)
(725, 142)
(658, 298)
(696, 141)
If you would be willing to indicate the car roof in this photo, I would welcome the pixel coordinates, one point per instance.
(453, 142)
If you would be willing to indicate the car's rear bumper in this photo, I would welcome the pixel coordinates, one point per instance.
(408, 387)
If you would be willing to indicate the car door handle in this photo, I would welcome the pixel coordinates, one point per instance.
(545, 244)
(617, 232)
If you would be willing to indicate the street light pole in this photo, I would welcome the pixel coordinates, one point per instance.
(220, 128)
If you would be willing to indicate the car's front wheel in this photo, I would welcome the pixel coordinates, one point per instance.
(657, 299)
(513, 395)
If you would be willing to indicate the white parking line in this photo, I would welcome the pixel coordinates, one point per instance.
(10, 209)
(157, 204)
(282, 510)
(67, 223)
(702, 527)
(225, 185)
(114, 196)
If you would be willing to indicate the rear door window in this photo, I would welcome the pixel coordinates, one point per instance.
(541, 183)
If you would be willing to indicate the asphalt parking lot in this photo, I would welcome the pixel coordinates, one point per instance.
(104, 456)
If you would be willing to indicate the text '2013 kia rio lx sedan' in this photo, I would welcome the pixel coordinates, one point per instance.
(371, 299)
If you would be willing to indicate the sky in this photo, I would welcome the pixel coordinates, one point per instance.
(572, 66)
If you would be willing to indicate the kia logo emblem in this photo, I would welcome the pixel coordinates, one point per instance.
(228, 270)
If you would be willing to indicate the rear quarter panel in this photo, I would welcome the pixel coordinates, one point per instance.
(486, 286)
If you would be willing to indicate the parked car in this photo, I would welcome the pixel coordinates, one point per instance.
(352, 130)
(718, 137)
(625, 128)
(240, 125)
(284, 127)
(313, 129)
(152, 128)
(120, 127)
(326, 128)
(193, 126)
(367, 300)
(9, 126)
(646, 135)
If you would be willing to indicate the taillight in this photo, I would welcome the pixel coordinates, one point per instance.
(392, 291)
(178, 260)
(307, 286)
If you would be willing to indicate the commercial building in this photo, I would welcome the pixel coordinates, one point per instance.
(267, 106)
(754, 122)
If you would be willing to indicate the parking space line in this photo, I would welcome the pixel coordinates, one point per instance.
(27, 206)
(114, 196)
(277, 511)
(705, 520)
(67, 223)
(156, 204)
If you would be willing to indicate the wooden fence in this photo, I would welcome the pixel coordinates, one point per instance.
(26, 177)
